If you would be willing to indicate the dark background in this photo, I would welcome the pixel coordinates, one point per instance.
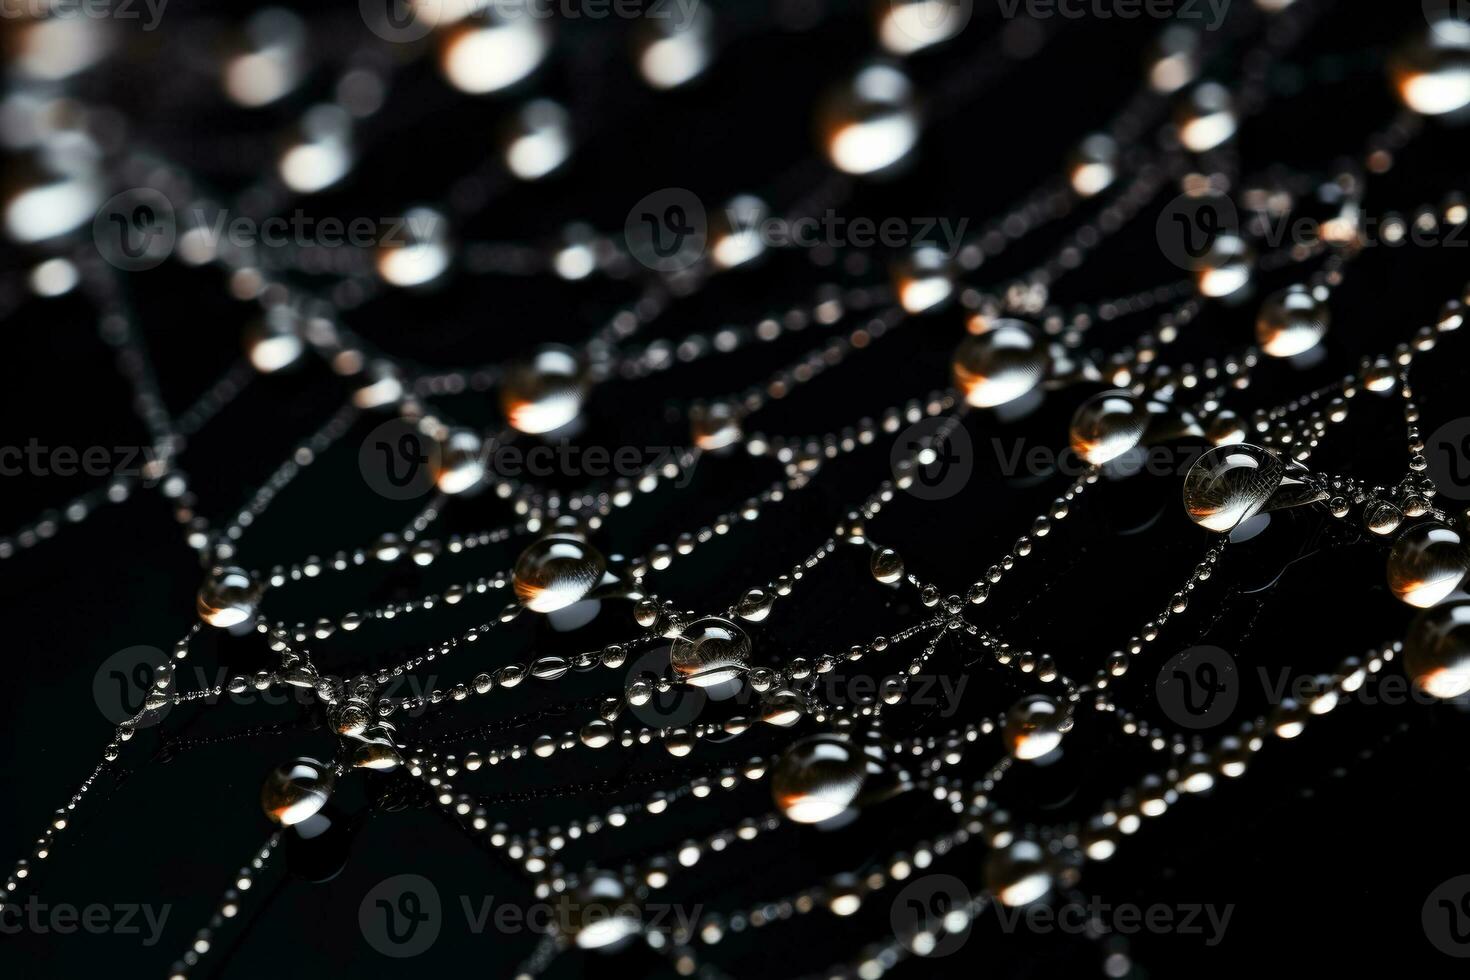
(1327, 849)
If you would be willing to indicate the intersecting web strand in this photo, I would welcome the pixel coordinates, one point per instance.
(860, 761)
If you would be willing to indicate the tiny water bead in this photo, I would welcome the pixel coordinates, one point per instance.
(1034, 727)
(710, 651)
(1431, 70)
(1427, 563)
(296, 791)
(461, 462)
(870, 123)
(1292, 322)
(556, 571)
(1437, 650)
(923, 279)
(545, 393)
(1228, 485)
(818, 778)
(228, 597)
(1000, 364)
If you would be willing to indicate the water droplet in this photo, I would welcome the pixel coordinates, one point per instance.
(1206, 118)
(494, 49)
(1225, 268)
(1427, 563)
(886, 565)
(871, 122)
(1034, 727)
(546, 393)
(818, 778)
(418, 252)
(1437, 650)
(1292, 322)
(1019, 873)
(923, 279)
(673, 50)
(755, 605)
(1228, 485)
(999, 365)
(1431, 70)
(272, 342)
(1094, 165)
(296, 791)
(556, 571)
(714, 426)
(598, 913)
(462, 462)
(228, 597)
(710, 651)
(906, 26)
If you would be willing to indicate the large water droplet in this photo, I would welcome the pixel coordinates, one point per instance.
(228, 597)
(818, 778)
(1427, 563)
(999, 365)
(1437, 650)
(544, 394)
(1292, 322)
(296, 791)
(556, 571)
(710, 651)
